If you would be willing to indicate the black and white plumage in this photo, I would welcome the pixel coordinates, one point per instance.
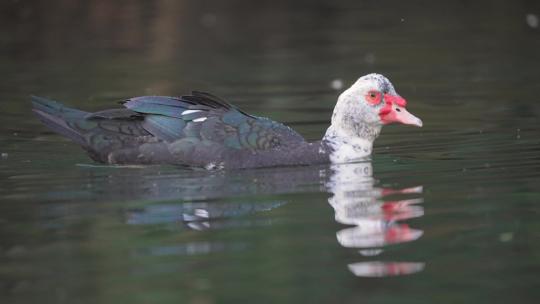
(202, 130)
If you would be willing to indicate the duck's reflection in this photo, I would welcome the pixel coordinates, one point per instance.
(376, 217)
(377, 269)
(376, 221)
(201, 215)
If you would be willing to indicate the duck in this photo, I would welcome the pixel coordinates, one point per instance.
(205, 131)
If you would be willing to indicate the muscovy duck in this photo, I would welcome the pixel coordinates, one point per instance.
(202, 130)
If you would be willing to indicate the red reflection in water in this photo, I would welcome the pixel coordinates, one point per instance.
(376, 221)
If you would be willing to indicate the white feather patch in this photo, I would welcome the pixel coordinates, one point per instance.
(347, 148)
(200, 119)
(186, 112)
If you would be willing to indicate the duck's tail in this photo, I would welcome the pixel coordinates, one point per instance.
(59, 118)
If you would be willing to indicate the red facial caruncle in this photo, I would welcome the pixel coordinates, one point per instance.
(394, 111)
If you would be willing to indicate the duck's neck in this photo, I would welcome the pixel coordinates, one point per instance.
(346, 146)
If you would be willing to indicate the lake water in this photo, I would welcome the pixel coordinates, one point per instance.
(448, 213)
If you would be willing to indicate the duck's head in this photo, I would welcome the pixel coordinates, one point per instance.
(364, 108)
(372, 102)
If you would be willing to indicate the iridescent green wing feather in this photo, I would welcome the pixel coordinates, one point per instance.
(207, 118)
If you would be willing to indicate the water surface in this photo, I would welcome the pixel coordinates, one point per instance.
(447, 213)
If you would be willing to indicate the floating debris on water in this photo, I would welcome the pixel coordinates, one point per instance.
(336, 84)
(532, 20)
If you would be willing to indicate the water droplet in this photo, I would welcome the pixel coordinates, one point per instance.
(532, 20)
(336, 84)
(4, 155)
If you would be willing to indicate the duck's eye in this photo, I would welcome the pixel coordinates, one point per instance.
(373, 97)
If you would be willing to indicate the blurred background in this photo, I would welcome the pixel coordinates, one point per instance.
(264, 52)
(74, 232)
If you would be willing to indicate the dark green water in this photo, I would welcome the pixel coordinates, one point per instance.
(444, 214)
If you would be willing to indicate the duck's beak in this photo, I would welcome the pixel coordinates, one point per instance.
(394, 112)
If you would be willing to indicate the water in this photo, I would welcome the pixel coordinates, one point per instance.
(447, 213)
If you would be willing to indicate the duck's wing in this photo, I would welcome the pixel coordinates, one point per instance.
(208, 118)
